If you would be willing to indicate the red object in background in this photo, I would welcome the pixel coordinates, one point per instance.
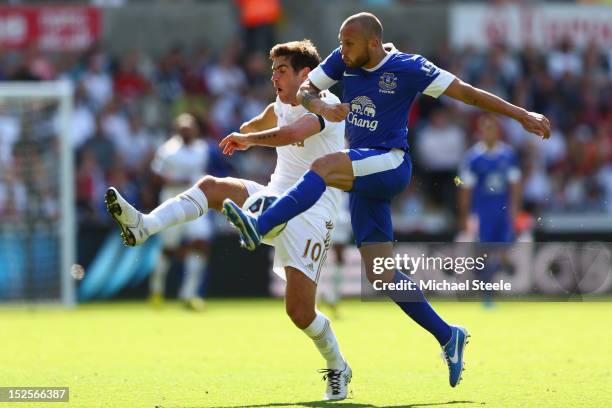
(413, 115)
(50, 28)
(523, 222)
(254, 13)
(130, 85)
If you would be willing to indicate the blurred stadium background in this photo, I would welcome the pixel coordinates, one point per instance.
(127, 68)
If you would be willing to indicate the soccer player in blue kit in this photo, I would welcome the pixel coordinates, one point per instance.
(379, 87)
(491, 190)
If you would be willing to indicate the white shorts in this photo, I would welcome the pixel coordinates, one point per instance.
(304, 243)
(343, 234)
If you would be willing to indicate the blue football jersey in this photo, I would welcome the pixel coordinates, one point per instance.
(380, 98)
(489, 173)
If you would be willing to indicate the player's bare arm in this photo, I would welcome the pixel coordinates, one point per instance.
(465, 199)
(298, 131)
(532, 122)
(515, 199)
(308, 96)
(265, 120)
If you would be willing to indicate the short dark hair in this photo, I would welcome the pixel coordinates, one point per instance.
(301, 54)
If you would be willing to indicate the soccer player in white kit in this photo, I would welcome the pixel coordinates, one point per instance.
(300, 137)
(178, 163)
(343, 237)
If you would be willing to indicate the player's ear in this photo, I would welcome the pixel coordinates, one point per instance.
(304, 73)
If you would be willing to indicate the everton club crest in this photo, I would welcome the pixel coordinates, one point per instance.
(387, 82)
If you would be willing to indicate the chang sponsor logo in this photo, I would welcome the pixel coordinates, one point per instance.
(363, 108)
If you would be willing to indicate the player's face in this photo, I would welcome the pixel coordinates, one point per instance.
(285, 80)
(187, 128)
(353, 46)
(188, 133)
(489, 130)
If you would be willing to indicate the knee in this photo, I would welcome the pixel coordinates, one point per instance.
(300, 315)
(371, 276)
(376, 274)
(323, 166)
(211, 188)
(207, 184)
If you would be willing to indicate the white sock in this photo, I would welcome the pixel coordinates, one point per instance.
(157, 282)
(195, 263)
(335, 285)
(187, 206)
(321, 333)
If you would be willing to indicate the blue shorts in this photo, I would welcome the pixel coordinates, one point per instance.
(380, 175)
(495, 228)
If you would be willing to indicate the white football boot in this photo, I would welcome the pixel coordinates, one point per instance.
(127, 217)
(337, 382)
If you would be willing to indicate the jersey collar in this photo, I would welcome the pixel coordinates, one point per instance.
(391, 50)
(481, 148)
(296, 108)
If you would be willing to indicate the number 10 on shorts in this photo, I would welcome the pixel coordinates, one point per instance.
(314, 252)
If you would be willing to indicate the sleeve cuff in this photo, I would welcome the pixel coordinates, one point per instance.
(439, 84)
(319, 118)
(514, 175)
(319, 78)
(468, 179)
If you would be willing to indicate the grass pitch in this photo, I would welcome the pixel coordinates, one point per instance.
(247, 353)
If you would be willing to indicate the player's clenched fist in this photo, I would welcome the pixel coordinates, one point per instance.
(536, 123)
(335, 112)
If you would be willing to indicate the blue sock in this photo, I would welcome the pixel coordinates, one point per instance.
(491, 267)
(303, 195)
(414, 304)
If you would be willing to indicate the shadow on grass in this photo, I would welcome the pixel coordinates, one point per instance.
(343, 404)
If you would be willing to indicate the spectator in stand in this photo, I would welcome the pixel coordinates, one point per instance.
(10, 130)
(564, 60)
(129, 83)
(138, 150)
(257, 70)
(90, 185)
(98, 82)
(168, 77)
(440, 147)
(101, 147)
(13, 194)
(115, 124)
(39, 66)
(226, 77)
(82, 122)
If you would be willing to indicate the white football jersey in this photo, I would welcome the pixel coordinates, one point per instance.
(179, 162)
(295, 160)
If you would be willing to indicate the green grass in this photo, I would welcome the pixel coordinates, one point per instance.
(247, 353)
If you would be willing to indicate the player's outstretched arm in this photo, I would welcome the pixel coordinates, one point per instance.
(532, 122)
(265, 120)
(308, 96)
(296, 132)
